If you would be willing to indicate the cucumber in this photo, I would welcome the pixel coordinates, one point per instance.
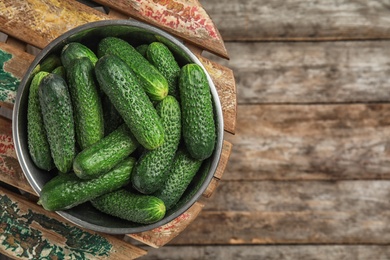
(199, 133)
(183, 170)
(60, 70)
(50, 63)
(151, 169)
(125, 92)
(66, 190)
(103, 155)
(142, 49)
(153, 82)
(112, 119)
(57, 112)
(87, 105)
(74, 50)
(138, 208)
(38, 144)
(162, 58)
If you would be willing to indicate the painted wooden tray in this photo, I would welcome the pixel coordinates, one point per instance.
(28, 231)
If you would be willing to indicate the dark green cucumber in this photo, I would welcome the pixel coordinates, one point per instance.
(142, 49)
(162, 58)
(76, 50)
(144, 209)
(125, 92)
(50, 63)
(151, 169)
(183, 170)
(103, 155)
(66, 190)
(111, 117)
(60, 70)
(38, 144)
(198, 123)
(87, 105)
(57, 111)
(153, 82)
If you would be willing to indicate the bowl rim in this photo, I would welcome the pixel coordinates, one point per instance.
(217, 110)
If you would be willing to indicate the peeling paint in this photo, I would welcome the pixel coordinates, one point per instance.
(20, 238)
(8, 82)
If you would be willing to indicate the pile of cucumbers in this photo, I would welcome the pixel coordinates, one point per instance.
(124, 127)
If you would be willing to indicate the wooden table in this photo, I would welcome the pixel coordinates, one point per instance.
(309, 172)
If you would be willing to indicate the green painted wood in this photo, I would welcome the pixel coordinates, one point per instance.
(8, 82)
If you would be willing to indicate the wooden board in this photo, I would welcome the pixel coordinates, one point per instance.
(299, 212)
(311, 142)
(298, 20)
(303, 72)
(28, 231)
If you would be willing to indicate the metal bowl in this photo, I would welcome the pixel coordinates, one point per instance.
(89, 34)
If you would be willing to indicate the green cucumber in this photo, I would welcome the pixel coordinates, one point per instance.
(125, 92)
(50, 63)
(87, 105)
(162, 58)
(151, 169)
(60, 70)
(183, 170)
(138, 208)
(199, 131)
(38, 144)
(57, 112)
(153, 82)
(103, 155)
(74, 50)
(142, 49)
(66, 190)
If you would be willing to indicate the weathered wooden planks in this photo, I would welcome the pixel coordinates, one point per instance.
(299, 212)
(29, 232)
(280, 252)
(38, 22)
(185, 19)
(311, 142)
(302, 72)
(297, 20)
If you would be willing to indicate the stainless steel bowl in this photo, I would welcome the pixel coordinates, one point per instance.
(89, 34)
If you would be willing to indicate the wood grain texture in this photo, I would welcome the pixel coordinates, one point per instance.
(303, 72)
(310, 142)
(38, 22)
(182, 18)
(10, 170)
(306, 212)
(297, 20)
(30, 232)
(280, 252)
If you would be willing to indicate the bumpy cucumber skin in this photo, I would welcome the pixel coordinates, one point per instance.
(198, 123)
(151, 169)
(125, 92)
(138, 208)
(183, 170)
(57, 111)
(153, 82)
(38, 144)
(66, 190)
(112, 119)
(87, 105)
(74, 50)
(103, 155)
(162, 58)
